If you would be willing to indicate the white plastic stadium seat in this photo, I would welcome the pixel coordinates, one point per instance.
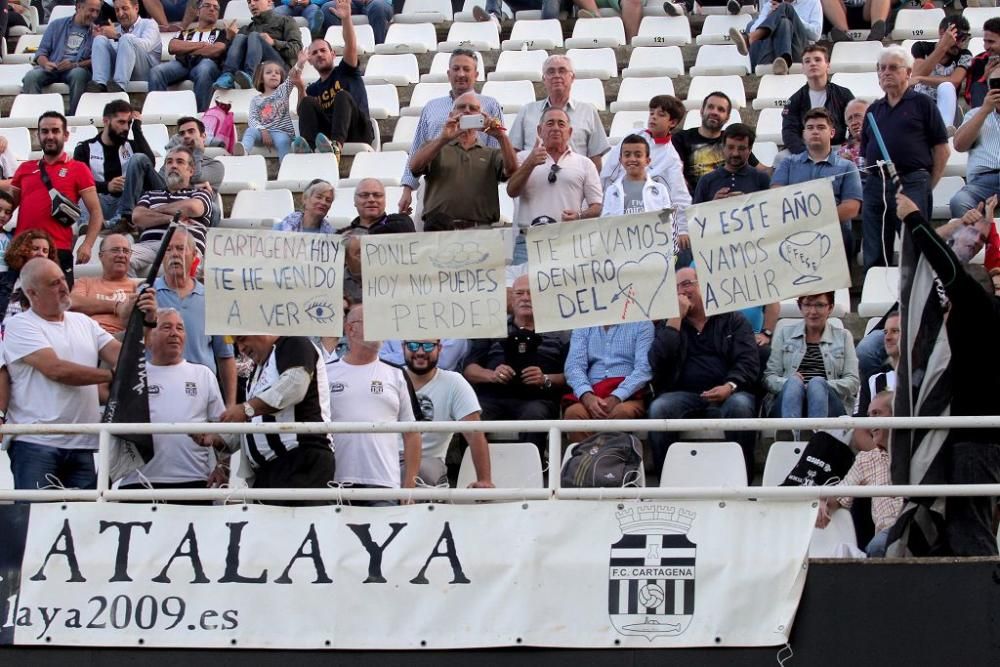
(977, 16)
(855, 56)
(409, 38)
(243, 172)
(438, 72)
(590, 90)
(716, 28)
(402, 134)
(297, 170)
(703, 85)
(660, 31)
(383, 101)
(90, 110)
(765, 151)
(512, 95)
(18, 142)
(24, 51)
(781, 458)
(476, 36)
(65, 11)
(635, 92)
(594, 63)
(260, 208)
(704, 464)
(917, 23)
(880, 291)
(720, 59)
(769, 125)
(168, 105)
(399, 69)
(655, 61)
(946, 188)
(513, 465)
(237, 11)
(864, 85)
(424, 11)
(27, 108)
(775, 90)
(625, 123)
(157, 135)
(693, 118)
(519, 66)
(77, 134)
(365, 36)
(239, 101)
(423, 93)
(958, 163)
(596, 33)
(544, 35)
(11, 77)
(386, 166)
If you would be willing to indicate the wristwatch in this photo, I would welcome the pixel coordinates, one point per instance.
(546, 382)
(767, 332)
(3, 416)
(733, 386)
(248, 410)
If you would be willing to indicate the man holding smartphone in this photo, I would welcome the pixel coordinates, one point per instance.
(980, 136)
(462, 173)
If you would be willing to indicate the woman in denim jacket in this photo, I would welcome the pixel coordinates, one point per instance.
(813, 370)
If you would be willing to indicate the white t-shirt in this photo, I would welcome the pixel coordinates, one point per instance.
(377, 393)
(448, 397)
(180, 393)
(35, 399)
(577, 186)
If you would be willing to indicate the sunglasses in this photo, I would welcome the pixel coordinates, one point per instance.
(426, 347)
(553, 171)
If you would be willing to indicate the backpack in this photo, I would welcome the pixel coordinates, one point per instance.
(604, 460)
(220, 127)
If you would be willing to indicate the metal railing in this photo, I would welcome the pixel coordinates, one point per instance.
(554, 429)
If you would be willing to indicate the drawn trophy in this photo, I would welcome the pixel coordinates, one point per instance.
(804, 252)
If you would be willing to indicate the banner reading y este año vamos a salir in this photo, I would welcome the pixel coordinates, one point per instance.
(550, 573)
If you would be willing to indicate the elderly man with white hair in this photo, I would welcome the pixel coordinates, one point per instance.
(917, 142)
(52, 355)
(589, 138)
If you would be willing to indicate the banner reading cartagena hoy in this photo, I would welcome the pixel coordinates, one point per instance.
(549, 573)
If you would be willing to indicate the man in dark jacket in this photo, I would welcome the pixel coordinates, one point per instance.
(268, 36)
(703, 367)
(818, 92)
(108, 154)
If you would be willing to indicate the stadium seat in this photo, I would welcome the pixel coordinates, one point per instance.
(720, 59)
(594, 63)
(11, 77)
(655, 61)
(917, 23)
(625, 123)
(168, 105)
(533, 35)
(466, 16)
(841, 301)
(880, 291)
(775, 90)
(765, 151)
(18, 142)
(243, 172)
(590, 90)
(409, 38)
(693, 118)
(438, 72)
(660, 31)
(297, 170)
(768, 68)
(635, 92)
(855, 56)
(424, 11)
(342, 211)
(769, 125)
(399, 69)
(402, 134)
(513, 465)
(864, 85)
(701, 86)
(976, 46)
(156, 135)
(519, 66)
(958, 163)
(946, 188)
(597, 33)
(26, 109)
(781, 458)
(476, 36)
(90, 110)
(65, 11)
(977, 16)
(77, 134)
(259, 209)
(24, 51)
(365, 38)
(353, 148)
(716, 28)
(423, 93)
(512, 95)
(831, 541)
(908, 43)
(506, 205)
(237, 11)
(383, 101)
(386, 166)
(704, 464)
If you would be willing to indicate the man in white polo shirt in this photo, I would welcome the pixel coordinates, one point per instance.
(364, 388)
(553, 183)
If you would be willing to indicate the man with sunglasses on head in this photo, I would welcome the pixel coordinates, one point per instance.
(553, 183)
(940, 67)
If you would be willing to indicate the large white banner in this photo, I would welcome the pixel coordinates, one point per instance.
(601, 271)
(550, 573)
(434, 285)
(267, 282)
(764, 247)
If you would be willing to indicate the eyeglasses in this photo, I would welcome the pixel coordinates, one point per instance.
(369, 195)
(892, 67)
(413, 346)
(118, 251)
(553, 171)
(815, 306)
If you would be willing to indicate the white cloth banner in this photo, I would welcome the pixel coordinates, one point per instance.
(601, 271)
(267, 282)
(441, 285)
(768, 246)
(549, 573)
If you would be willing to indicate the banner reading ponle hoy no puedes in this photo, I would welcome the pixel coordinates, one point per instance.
(550, 573)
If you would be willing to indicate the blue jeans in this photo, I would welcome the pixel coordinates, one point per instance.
(174, 9)
(550, 8)
(76, 79)
(247, 52)
(30, 463)
(876, 548)
(816, 396)
(313, 14)
(121, 61)
(977, 189)
(871, 354)
(685, 404)
(879, 223)
(109, 207)
(789, 36)
(379, 13)
(203, 74)
(282, 141)
(520, 250)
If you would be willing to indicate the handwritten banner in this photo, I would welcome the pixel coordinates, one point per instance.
(266, 282)
(768, 246)
(434, 285)
(589, 273)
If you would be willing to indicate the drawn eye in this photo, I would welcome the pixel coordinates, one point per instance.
(320, 311)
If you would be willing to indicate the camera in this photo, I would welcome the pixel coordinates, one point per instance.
(471, 122)
(994, 82)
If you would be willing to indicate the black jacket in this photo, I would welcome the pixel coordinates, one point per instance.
(733, 339)
(109, 156)
(837, 98)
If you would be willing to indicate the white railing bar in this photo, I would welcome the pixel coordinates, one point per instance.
(332, 494)
(779, 492)
(103, 463)
(555, 457)
(49, 495)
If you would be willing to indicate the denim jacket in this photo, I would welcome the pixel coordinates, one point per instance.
(839, 359)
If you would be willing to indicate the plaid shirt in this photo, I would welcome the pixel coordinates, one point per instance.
(871, 468)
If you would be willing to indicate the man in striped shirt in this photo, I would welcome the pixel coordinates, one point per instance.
(979, 135)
